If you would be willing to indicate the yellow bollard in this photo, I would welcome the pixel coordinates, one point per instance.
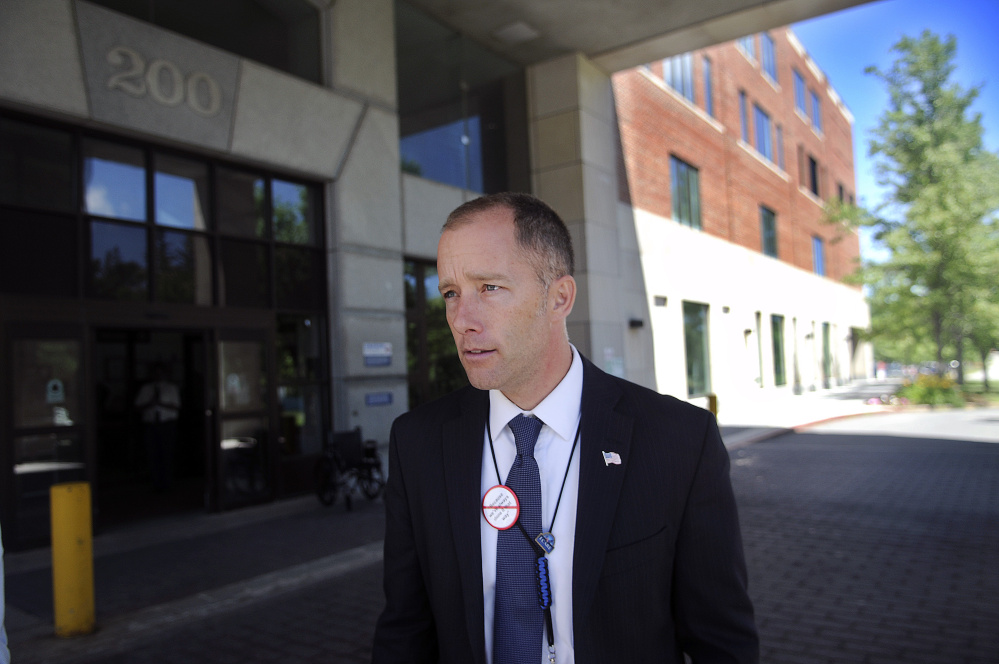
(72, 559)
(713, 404)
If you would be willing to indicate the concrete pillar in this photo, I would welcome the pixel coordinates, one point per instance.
(364, 213)
(572, 128)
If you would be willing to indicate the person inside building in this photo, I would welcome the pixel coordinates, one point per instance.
(551, 511)
(159, 400)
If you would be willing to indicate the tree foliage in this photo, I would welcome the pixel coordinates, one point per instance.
(937, 289)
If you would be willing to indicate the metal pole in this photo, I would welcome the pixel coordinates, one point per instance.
(72, 559)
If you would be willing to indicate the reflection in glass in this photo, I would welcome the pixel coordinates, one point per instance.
(244, 460)
(409, 284)
(114, 180)
(241, 203)
(301, 419)
(243, 378)
(38, 254)
(182, 264)
(47, 453)
(244, 278)
(41, 460)
(294, 214)
(449, 153)
(181, 188)
(298, 348)
(36, 166)
(433, 365)
(118, 264)
(45, 382)
(298, 278)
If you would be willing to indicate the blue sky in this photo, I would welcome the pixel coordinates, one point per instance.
(843, 44)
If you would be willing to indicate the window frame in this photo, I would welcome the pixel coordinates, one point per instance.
(768, 232)
(815, 114)
(762, 133)
(768, 56)
(678, 74)
(709, 101)
(800, 97)
(777, 339)
(818, 256)
(743, 115)
(685, 193)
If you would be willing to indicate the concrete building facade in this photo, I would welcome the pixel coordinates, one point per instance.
(248, 193)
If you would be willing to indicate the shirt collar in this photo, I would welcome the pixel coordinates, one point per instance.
(559, 410)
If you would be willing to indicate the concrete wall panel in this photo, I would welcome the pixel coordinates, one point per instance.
(291, 123)
(369, 191)
(40, 56)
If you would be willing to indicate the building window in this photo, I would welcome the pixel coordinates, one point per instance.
(154, 226)
(780, 148)
(748, 46)
(709, 100)
(818, 256)
(432, 363)
(840, 192)
(695, 341)
(813, 175)
(764, 140)
(743, 117)
(777, 334)
(301, 383)
(816, 111)
(769, 52)
(799, 94)
(466, 129)
(768, 231)
(678, 72)
(685, 190)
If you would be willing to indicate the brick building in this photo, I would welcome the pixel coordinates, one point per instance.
(727, 156)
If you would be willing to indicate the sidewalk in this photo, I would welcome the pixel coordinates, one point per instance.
(168, 573)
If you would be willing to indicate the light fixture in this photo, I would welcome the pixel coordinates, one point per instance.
(514, 33)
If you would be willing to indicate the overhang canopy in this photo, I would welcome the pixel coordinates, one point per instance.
(616, 34)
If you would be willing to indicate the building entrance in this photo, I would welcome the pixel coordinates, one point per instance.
(152, 423)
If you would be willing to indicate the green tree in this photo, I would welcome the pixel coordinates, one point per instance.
(943, 190)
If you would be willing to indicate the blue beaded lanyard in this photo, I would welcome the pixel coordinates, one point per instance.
(543, 543)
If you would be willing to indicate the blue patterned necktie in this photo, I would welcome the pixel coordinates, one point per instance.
(518, 621)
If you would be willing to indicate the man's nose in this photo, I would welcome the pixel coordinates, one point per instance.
(466, 315)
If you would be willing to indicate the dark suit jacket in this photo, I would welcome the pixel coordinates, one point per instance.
(658, 561)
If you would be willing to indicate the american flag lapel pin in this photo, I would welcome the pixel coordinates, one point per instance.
(612, 457)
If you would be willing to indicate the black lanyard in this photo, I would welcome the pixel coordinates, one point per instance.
(541, 569)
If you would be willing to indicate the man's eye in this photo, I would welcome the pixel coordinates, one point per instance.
(447, 295)
(491, 287)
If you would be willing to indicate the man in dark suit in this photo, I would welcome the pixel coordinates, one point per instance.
(647, 563)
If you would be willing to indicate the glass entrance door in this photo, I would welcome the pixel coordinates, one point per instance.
(152, 417)
(47, 427)
(245, 461)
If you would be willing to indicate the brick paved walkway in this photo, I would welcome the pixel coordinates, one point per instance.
(872, 549)
(866, 549)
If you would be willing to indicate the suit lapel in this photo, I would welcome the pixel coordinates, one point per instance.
(603, 430)
(462, 445)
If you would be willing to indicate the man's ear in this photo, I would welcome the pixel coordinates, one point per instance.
(562, 295)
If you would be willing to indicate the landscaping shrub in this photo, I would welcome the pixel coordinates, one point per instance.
(932, 390)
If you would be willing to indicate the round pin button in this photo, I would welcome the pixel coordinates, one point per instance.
(500, 507)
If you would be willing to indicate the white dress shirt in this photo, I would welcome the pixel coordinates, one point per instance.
(560, 412)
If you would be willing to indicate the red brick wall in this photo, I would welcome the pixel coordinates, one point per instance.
(654, 123)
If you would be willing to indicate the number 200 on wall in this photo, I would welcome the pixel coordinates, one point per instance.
(201, 92)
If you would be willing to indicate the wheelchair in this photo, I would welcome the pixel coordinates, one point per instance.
(348, 464)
